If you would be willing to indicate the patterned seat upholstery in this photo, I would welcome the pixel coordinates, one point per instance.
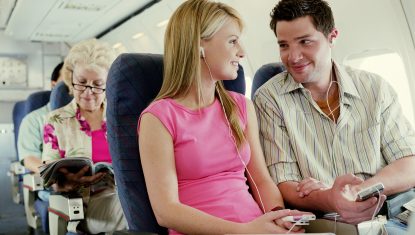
(134, 80)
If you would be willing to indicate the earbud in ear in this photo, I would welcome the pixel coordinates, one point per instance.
(332, 41)
(202, 52)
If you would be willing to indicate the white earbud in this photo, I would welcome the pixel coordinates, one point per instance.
(202, 52)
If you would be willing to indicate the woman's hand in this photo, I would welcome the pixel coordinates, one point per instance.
(308, 185)
(75, 180)
(289, 225)
(267, 223)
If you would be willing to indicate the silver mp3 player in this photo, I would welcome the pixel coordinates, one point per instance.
(369, 192)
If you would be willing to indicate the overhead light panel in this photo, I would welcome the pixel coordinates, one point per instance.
(162, 23)
(137, 35)
(117, 45)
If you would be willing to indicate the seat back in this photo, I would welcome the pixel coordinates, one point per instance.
(33, 102)
(264, 73)
(19, 111)
(134, 80)
(37, 100)
(60, 96)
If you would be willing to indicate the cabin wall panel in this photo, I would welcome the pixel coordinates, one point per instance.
(40, 58)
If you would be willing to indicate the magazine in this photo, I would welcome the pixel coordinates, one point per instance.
(51, 174)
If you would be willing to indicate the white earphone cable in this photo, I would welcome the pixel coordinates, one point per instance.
(331, 112)
(296, 223)
(374, 213)
(234, 142)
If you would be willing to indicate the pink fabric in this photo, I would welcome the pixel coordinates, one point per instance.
(50, 137)
(100, 150)
(210, 173)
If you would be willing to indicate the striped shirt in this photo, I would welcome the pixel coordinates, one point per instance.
(299, 140)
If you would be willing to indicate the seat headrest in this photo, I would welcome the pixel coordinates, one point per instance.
(37, 100)
(60, 96)
(138, 78)
(264, 73)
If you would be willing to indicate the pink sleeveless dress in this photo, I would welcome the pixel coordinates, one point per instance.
(210, 173)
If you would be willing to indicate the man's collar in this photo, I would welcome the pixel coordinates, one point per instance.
(346, 83)
(289, 84)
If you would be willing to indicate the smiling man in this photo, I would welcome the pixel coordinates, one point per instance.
(320, 121)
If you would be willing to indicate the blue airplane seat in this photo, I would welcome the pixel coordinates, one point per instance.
(33, 102)
(37, 100)
(60, 96)
(134, 80)
(19, 111)
(264, 73)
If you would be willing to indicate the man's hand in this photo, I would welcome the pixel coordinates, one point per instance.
(308, 185)
(75, 180)
(342, 198)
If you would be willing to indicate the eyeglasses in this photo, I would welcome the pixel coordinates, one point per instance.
(95, 90)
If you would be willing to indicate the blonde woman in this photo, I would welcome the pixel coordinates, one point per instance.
(196, 139)
(79, 129)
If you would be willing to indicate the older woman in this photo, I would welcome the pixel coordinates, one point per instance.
(79, 129)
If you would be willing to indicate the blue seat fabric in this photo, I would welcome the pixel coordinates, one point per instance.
(19, 111)
(37, 100)
(263, 74)
(33, 102)
(60, 96)
(134, 80)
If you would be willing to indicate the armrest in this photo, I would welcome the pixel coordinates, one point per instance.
(67, 207)
(17, 169)
(30, 185)
(33, 182)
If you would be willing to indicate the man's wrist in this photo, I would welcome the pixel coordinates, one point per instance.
(326, 204)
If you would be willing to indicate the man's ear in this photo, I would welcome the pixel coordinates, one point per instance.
(332, 36)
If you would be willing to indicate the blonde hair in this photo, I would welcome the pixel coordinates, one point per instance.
(93, 54)
(193, 21)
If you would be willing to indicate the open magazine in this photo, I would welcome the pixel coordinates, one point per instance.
(51, 174)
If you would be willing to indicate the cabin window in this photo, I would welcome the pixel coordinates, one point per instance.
(390, 66)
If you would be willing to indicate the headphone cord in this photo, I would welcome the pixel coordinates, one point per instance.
(296, 223)
(374, 213)
(239, 155)
(234, 141)
(331, 112)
